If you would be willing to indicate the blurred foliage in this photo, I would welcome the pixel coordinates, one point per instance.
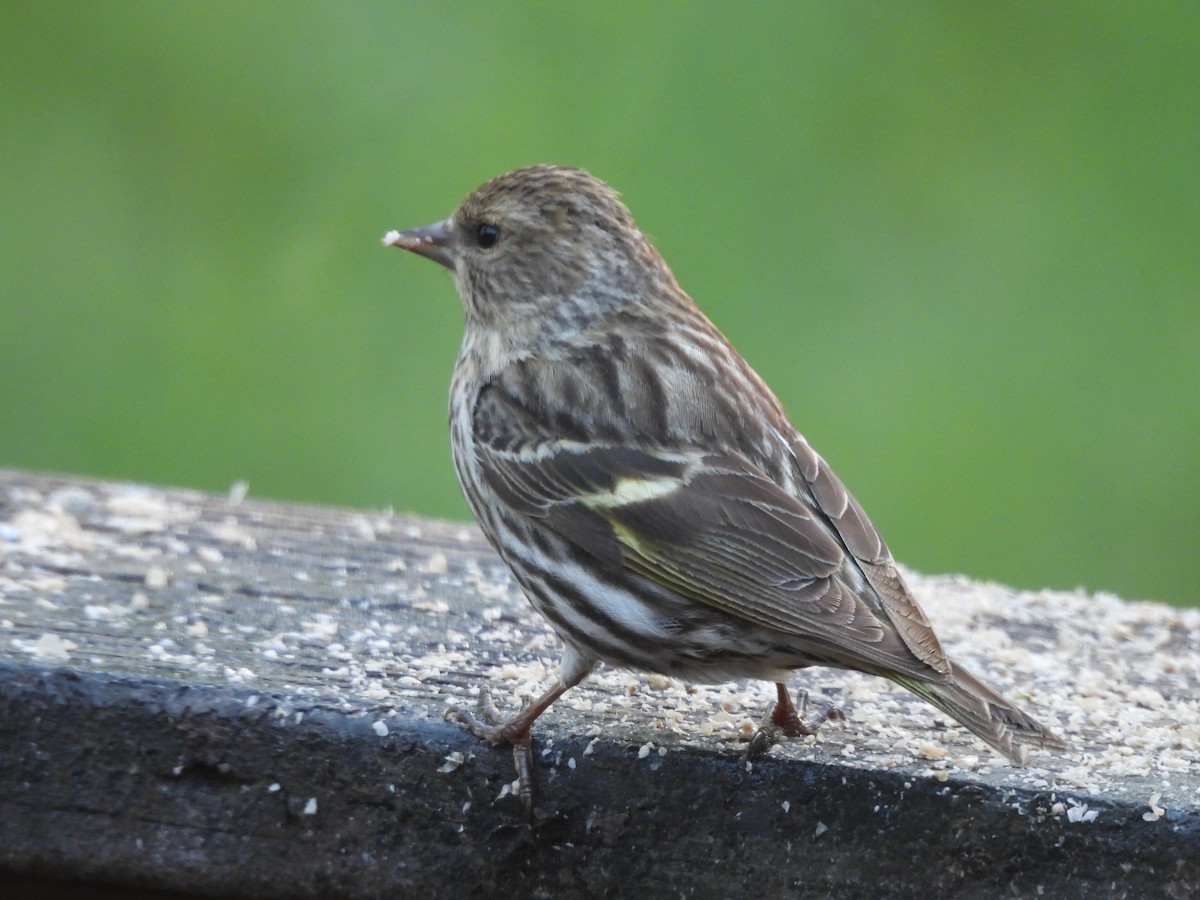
(959, 240)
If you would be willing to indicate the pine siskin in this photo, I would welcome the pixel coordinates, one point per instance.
(644, 485)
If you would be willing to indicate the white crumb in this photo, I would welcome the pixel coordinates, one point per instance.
(452, 762)
(237, 492)
(48, 647)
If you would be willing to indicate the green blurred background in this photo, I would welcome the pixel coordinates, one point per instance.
(960, 240)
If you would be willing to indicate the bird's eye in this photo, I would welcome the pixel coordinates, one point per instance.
(486, 235)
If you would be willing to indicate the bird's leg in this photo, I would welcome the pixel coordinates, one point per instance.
(517, 730)
(785, 717)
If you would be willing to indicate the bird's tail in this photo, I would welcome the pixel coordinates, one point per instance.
(991, 717)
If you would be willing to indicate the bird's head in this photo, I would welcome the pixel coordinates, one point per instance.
(541, 253)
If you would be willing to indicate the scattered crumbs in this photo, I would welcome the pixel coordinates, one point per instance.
(321, 627)
(440, 607)
(452, 762)
(1123, 722)
(35, 530)
(50, 583)
(659, 682)
(380, 728)
(211, 555)
(310, 808)
(172, 545)
(820, 829)
(363, 526)
(230, 531)
(375, 690)
(139, 511)
(1146, 696)
(1078, 812)
(239, 675)
(49, 647)
(1156, 812)
(71, 496)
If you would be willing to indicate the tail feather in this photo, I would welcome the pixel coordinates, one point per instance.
(993, 718)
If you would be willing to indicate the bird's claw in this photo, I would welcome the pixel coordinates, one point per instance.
(789, 717)
(492, 727)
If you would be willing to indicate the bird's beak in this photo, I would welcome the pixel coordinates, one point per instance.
(434, 242)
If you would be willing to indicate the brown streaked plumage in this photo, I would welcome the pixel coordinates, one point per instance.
(644, 485)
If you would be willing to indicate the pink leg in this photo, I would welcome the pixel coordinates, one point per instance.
(517, 731)
(785, 717)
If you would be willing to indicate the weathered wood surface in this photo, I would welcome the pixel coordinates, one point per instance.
(226, 697)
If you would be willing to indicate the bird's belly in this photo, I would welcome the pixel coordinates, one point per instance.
(611, 617)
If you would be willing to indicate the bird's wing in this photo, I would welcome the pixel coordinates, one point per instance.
(874, 560)
(710, 527)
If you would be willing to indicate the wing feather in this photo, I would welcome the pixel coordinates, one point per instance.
(709, 527)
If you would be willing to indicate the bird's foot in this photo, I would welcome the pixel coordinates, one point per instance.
(495, 729)
(491, 725)
(784, 716)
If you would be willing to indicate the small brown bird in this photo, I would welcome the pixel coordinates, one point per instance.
(644, 485)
